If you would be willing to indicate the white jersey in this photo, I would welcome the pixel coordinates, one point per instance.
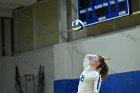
(90, 80)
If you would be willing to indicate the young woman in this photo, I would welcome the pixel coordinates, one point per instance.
(95, 70)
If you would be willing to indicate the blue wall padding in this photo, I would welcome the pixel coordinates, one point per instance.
(106, 85)
(128, 82)
(66, 86)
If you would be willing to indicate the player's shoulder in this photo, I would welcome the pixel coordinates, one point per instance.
(96, 74)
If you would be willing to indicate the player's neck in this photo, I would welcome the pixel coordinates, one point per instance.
(93, 68)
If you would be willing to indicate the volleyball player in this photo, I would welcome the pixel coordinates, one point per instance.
(95, 71)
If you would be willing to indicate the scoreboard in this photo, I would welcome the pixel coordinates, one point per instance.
(96, 11)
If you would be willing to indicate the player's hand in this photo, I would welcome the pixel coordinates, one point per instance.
(107, 58)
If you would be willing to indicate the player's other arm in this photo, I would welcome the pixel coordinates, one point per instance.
(97, 84)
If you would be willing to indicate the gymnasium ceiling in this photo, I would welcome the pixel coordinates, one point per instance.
(12, 4)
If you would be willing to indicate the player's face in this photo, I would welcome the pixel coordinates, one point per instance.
(95, 62)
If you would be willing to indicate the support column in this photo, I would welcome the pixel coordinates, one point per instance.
(62, 21)
(35, 29)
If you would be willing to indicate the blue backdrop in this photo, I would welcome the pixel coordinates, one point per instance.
(115, 83)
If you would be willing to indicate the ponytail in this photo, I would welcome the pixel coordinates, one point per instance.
(104, 68)
(104, 71)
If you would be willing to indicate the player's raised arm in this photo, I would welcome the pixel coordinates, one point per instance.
(87, 59)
